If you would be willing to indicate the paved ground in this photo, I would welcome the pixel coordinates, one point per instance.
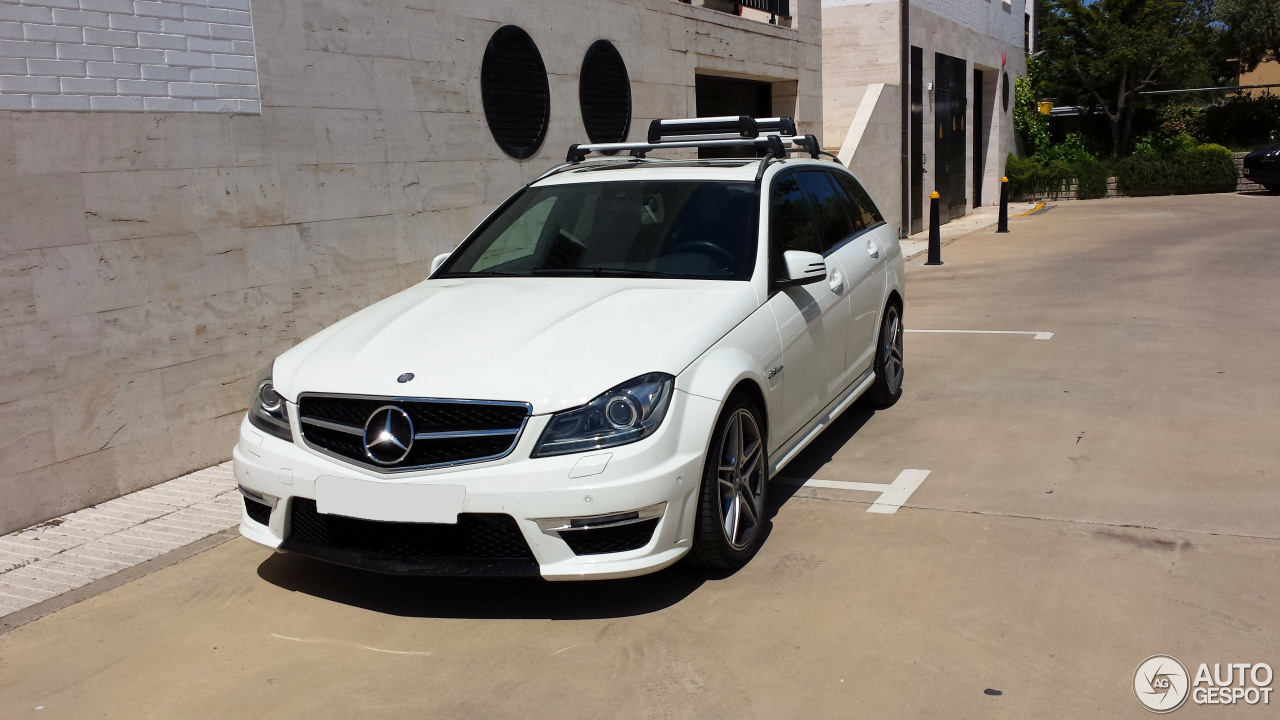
(1094, 498)
(980, 218)
(43, 562)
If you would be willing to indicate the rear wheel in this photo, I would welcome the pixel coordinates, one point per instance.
(888, 366)
(730, 524)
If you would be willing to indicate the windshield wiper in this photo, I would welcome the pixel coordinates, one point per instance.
(597, 272)
(484, 273)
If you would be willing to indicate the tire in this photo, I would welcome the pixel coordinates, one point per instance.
(889, 367)
(728, 534)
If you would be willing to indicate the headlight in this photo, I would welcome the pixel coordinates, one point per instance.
(267, 409)
(625, 414)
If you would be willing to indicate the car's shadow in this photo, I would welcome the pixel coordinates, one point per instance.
(482, 598)
(533, 598)
(807, 464)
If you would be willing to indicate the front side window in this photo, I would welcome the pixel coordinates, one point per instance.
(791, 224)
(687, 229)
(829, 208)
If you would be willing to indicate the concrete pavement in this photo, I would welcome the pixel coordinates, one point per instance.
(43, 562)
(1094, 499)
(979, 218)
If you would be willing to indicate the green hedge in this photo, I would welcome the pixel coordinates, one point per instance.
(1202, 169)
(1198, 169)
(1029, 177)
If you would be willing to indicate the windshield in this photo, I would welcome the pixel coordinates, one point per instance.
(684, 229)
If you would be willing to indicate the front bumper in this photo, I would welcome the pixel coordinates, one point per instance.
(657, 477)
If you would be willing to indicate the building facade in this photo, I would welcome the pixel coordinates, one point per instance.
(189, 187)
(918, 98)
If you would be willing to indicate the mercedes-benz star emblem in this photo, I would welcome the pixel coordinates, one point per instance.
(388, 435)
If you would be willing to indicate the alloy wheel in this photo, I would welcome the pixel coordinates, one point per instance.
(741, 478)
(891, 353)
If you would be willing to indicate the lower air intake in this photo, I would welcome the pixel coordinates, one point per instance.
(479, 544)
(619, 538)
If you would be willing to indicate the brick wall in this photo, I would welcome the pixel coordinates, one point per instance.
(131, 55)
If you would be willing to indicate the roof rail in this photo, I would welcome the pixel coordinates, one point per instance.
(726, 127)
(776, 136)
(724, 131)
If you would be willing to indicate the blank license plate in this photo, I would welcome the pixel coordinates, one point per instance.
(389, 502)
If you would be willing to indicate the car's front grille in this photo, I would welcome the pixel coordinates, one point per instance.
(443, 432)
(618, 538)
(480, 543)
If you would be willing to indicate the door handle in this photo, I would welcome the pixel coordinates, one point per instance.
(837, 282)
(872, 249)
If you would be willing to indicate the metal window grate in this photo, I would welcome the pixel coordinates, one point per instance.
(604, 93)
(515, 92)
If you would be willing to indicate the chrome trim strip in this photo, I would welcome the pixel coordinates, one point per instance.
(463, 434)
(261, 498)
(556, 525)
(330, 425)
(515, 440)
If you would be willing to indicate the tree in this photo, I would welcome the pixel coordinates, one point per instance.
(1031, 126)
(1253, 29)
(1111, 50)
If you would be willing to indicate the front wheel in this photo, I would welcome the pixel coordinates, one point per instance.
(731, 503)
(889, 368)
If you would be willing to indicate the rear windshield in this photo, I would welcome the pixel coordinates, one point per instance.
(685, 229)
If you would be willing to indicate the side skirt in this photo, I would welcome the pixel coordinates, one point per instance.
(783, 455)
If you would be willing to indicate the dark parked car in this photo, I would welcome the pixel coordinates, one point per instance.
(1263, 167)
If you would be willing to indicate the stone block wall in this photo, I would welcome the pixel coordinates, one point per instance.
(153, 263)
(861, 48)
(103, 55)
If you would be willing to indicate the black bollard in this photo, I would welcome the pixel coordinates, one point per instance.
(1003, 227)
(935, 231)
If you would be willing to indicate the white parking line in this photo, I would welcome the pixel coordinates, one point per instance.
(892, 496)
(1037, 335)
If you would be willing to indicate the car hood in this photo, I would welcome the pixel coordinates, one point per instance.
(552, 342)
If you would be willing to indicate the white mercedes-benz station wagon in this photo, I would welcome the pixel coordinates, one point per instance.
(599, 381)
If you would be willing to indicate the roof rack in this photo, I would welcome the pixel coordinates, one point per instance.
(777, 136)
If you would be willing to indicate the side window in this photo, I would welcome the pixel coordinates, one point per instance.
(828, 205)
(866, 208)
(791, 225)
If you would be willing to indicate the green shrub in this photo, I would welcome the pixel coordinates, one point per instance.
(1071, 150)
(1242, 122)
(1091, 179)
(1200, 169)
(1029, 177)
(1030, 125)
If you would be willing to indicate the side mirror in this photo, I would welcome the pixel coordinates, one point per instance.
(437, 261)
(803, 268)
